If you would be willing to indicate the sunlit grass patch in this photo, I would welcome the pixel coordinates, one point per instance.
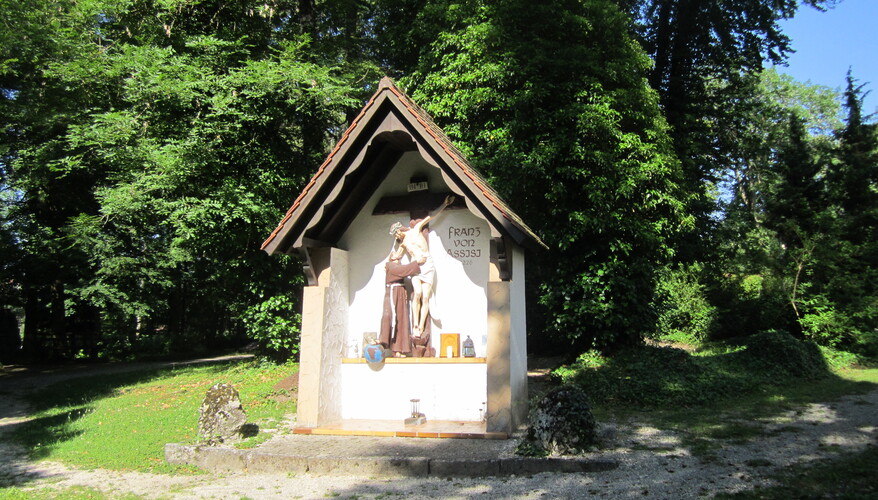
(52, 493)
(868, 375)
(123, 422)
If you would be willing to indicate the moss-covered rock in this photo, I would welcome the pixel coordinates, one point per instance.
(561, 423)
(222, 417)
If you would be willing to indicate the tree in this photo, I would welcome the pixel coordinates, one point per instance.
(706, 53)
(774, 209)
(800, 221)
(843, 309)
(551, 102)
(854, 177)
(151, 146)
(795, 206)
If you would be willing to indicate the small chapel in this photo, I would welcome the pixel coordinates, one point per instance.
(413, 320)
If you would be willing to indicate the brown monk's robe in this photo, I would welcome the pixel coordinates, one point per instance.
(399, 337)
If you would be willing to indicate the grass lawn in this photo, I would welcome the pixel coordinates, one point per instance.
(768, 401)
(123, 421)
(51, 493)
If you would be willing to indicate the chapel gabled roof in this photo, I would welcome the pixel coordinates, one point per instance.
(389, 124)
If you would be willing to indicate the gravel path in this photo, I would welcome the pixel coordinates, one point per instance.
(654, 463)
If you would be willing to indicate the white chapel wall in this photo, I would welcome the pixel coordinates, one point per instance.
(460, 245)
(460, 303)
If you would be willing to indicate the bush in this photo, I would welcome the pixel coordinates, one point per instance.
(837, 359)
(274, 324)
(824, 324)
(592, 358)
(665, 377)
(684, 313)
(778, 354)
(750, 303)
(647, 376)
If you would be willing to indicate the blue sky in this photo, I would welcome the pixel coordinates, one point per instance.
(828, 43)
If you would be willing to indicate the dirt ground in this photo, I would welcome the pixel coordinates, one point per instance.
(653, 463)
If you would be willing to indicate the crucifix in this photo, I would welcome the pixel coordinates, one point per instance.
(412, 241)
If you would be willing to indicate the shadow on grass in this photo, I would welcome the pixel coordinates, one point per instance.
(713, 398)
(770, 368)
(850, 476)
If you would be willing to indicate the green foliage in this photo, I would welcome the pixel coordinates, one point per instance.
(705, 55)
(665, 377)
(823, 323)
(274, 324)
(644, 376)
(592, 358)
(773, 232)
(153, 146)
(60, 493)
(527, 448)
(552, 103)
(684, 311)
(777, 354)
(147, 147)
(838, 360)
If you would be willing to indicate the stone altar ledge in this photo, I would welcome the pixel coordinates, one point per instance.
(419, 361)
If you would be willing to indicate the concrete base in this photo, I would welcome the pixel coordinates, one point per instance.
(377, 457)
(420, 419)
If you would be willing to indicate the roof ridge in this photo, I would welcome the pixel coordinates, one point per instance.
(441, 139)
(457, 156)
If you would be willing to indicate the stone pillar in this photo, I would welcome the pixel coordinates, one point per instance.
(507, 342)
(518, 340)
(324, 324)
(499, 411)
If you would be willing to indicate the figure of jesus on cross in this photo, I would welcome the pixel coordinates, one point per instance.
(412, 241)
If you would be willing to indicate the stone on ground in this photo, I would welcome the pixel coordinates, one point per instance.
(222, 415)
(561, 423)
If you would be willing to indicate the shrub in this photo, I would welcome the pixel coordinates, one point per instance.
(648, 376)
(778, 354)
(684, 313)
(589, 359)
(824, 324)
(750, 303)
(665, 377)
(840, 359)
(274, 325)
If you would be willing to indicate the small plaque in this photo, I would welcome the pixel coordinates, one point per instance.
(418, 186)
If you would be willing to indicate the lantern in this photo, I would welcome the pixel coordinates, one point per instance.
(469, 350)
(417, 417)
